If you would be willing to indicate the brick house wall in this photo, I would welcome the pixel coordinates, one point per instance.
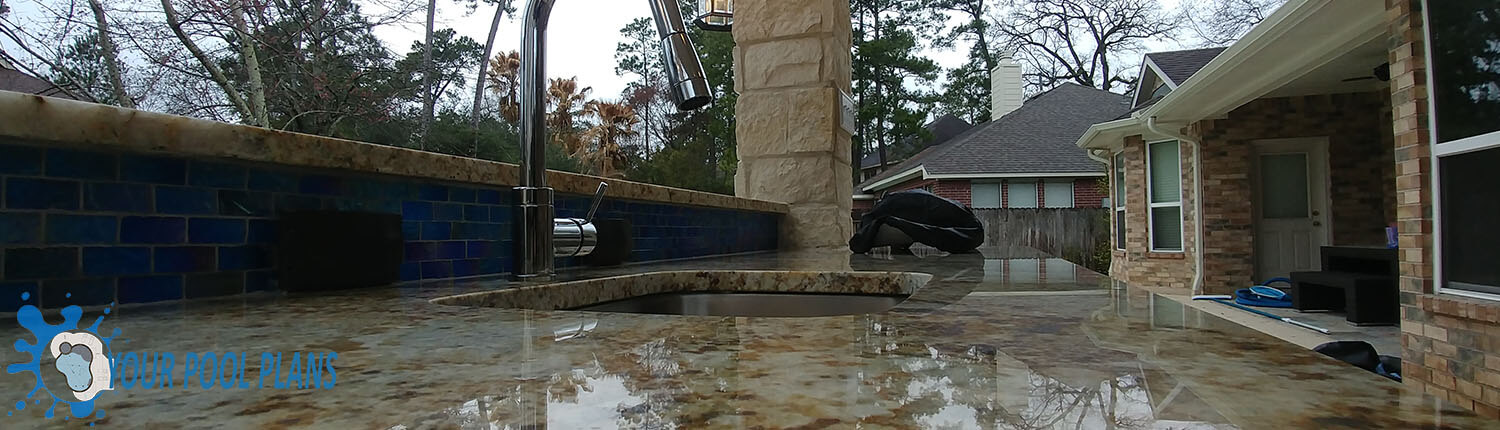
(1450, 344)
(1137, 264)
(1089, 192)
(1360, 172)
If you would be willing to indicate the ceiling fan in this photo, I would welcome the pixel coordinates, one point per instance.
(1381, 72)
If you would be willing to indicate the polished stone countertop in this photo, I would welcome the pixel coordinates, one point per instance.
(997, 341)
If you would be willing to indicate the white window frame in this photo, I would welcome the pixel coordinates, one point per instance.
(1072, 194)
(1118, 201)
(1439, 150)
(1151, 204)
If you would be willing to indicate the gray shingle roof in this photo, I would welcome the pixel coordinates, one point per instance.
(944, 128)
(1180, 65)
(1037, 138)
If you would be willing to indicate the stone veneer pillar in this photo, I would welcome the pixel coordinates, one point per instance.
(791, 59)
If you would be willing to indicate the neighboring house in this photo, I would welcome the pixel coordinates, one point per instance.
(1328, 122)
(1024, 158)
(942, 129)
(17, 81)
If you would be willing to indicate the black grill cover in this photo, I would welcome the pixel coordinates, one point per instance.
(935, 221)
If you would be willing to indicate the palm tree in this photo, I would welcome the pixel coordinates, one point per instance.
(616, 122)
(505, 77)
(566, 99)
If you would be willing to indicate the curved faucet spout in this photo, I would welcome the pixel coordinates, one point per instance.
(533, 221)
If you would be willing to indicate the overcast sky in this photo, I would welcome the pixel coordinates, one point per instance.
(582, 36)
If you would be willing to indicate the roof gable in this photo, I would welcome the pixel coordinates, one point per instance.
(1037, 138)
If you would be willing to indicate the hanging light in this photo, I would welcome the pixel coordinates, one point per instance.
(718, 15)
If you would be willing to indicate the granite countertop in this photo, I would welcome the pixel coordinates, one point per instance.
(983, 345)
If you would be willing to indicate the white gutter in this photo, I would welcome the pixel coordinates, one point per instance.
(1197, 200)
(919, 171)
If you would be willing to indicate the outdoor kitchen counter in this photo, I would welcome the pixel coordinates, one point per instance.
(989, 342)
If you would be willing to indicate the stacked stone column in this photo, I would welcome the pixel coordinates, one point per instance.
(791, 60)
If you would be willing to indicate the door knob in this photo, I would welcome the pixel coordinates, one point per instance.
(1317, 223)
(1315, 213)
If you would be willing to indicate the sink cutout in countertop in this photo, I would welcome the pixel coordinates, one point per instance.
(715, 293)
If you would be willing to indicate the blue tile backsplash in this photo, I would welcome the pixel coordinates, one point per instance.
(93, 227)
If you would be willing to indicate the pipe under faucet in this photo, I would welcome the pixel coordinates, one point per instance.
(535, 226)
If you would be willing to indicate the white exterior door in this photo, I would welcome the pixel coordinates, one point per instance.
(1291, 205)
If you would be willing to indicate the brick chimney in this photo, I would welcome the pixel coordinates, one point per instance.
(1005, 88)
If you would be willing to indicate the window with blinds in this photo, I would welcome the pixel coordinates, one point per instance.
(1119, 201)
(1020, 194)
(1164, 169)
(1058, 194)
(984, 195)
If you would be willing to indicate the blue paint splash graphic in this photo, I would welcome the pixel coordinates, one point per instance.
(31, 319)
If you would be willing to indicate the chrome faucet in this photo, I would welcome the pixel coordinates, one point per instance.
(538, 236)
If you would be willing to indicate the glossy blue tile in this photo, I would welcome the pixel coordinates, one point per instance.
(447, 212)
(416, 211)
(155, 230)
(294, 203)
(40, 263)
(476, 213)
(81, 229)
(260, 231)
(321, 185)
(461, 194)
(186, 201)
(411, 230)
(432, 192)
(481, 249)
(180, 259)
(244, 257)
(465, 268)
(147, 289)
(116, 261)
(437, 231)
(13, 295)
(68, 163)
(500, 214)
(411, 271)
(245, 203)
(85, 292)
(437, 269)
(32, 193)
(265, 180)
(117, 197)
(216, 230)
(155, 170)
(217, 175)
(489, 197)
(450, 250)
(17, 228)
(20, 160)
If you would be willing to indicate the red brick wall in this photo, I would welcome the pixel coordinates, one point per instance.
(1089, 193)
(958, 191)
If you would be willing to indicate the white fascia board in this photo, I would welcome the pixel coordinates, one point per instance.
(1016, 175)
(1299, 37)
(915, 172)
(1147, 63)
(1111, 135)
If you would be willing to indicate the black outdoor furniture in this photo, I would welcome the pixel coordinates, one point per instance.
(1360, 281)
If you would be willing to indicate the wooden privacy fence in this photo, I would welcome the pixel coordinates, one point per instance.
(1078, 235)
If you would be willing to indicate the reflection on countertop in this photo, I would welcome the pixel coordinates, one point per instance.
(1002, 340)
